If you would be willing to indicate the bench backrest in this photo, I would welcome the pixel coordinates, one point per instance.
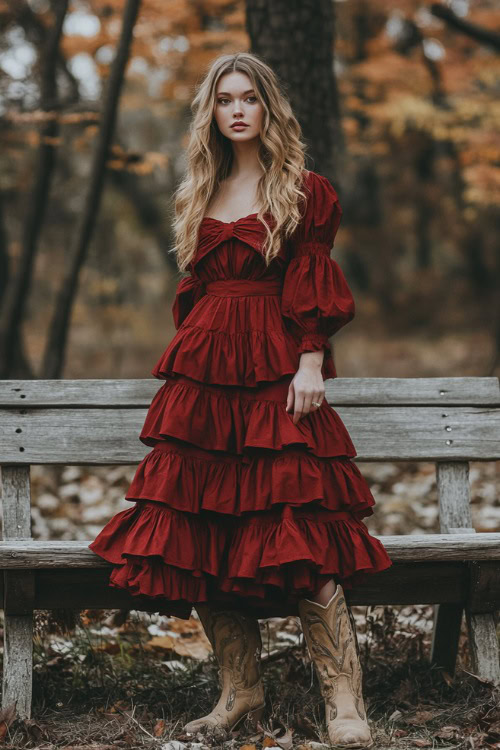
(389, 419)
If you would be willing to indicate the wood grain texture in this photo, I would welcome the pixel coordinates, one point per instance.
(483, 590)
(452, 480)
(18, 663)
(16, 502)
(111, 436)
(18, 593)
(483, 645)
(138, 392)
(400, 548)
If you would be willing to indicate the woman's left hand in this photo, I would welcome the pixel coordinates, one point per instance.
(307, 386)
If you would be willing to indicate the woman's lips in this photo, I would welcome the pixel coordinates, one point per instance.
(238, 127)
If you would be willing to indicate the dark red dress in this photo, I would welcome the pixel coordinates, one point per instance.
(235, 504)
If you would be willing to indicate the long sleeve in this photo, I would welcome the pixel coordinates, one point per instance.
(189, 291)
(316, 300)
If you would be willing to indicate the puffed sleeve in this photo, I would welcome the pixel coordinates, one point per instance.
(316, 300)
(189, 291)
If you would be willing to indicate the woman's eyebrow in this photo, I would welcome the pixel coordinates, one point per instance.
(228, 94)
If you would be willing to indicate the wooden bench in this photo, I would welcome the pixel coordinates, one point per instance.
(449, 421)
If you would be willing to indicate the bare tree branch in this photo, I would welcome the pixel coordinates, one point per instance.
(480, 34)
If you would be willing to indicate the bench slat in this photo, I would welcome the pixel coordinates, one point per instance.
(110, 436)
(400, 548)
(138, 392)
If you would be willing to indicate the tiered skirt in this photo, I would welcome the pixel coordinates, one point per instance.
(236, 505)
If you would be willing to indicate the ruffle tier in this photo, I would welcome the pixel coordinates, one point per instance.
(241, 421)
(237, 341)
(269, 560)
(220, 357)
(297, 550)
(191, 480)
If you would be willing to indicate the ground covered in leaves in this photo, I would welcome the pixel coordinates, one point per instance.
(102, 683)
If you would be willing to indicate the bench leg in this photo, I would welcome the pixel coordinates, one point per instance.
(17, 663)
(455, 517)
(19, 594)
(446, 635)
(483, 645)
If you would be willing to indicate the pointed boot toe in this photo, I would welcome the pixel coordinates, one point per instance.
(349, 733)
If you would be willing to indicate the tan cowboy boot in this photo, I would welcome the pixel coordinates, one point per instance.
(330, 634)
(237, 645)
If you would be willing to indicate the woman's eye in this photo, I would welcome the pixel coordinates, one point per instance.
(221, 101)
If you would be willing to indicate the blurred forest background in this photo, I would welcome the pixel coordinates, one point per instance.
(399, 101)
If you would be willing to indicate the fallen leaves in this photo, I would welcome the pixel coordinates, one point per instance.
(193, 648)
(422, 717)
(159, 728)
(7, 716)
(275, 734)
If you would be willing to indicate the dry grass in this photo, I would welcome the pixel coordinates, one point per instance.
(99, 687)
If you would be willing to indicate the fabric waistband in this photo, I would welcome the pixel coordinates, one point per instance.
(243, 287)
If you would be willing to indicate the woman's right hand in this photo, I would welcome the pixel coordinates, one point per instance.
(306, 386)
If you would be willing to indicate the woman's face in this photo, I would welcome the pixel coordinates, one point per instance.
(236, 101)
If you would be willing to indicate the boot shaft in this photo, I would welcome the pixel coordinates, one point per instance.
(330, 633)
(237, 646)
(236, 642)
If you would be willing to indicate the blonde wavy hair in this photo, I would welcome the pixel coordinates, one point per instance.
(209, 159)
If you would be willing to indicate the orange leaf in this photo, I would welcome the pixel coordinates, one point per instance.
(159, 728)
(7, 716)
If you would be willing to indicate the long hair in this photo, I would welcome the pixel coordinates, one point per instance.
(281, 155)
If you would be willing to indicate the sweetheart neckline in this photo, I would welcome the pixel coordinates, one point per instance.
(220, 221)
(248, 216)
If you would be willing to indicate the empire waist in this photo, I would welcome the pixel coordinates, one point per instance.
(243, 287)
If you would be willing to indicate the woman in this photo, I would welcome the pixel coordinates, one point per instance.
(249, 504)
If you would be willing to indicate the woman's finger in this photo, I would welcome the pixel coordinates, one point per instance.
(298, 407)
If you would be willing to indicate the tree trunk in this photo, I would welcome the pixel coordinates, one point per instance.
(54, 354)
(13, 362)
(297, 41)
(4, 254)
